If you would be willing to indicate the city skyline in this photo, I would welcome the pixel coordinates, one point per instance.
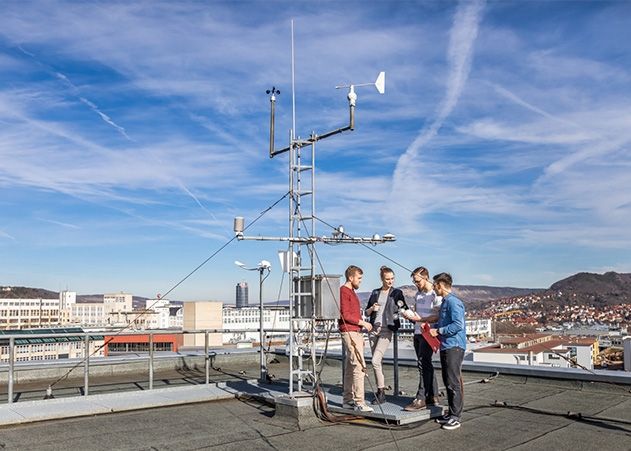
(131, 135)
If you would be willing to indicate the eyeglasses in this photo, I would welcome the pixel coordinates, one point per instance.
(416, 282)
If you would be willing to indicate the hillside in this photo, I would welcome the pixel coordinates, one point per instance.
(8, 292)
(604, 284)
(475, 294)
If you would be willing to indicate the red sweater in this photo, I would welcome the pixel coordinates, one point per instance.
(350, 311)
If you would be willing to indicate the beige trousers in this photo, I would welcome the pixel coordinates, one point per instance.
(353, 367)
(378, 345)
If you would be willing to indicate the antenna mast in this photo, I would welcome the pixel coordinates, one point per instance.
(305, 311)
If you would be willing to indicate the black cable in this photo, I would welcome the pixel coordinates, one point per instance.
(197, 268)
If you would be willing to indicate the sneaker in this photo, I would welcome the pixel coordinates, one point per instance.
(451, 424)
(443, 419)
(416, 405)
(363, 408)
(348, 404)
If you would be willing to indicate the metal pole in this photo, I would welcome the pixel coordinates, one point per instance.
(395, 351)
(11, 367)
(207, 357)
(86, 366)
(263, 363)
(151, 361)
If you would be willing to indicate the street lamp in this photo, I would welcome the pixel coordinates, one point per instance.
(262, 267)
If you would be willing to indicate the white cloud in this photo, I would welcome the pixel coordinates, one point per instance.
(463, 34)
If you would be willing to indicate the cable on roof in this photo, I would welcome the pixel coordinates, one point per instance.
(576, 416)
(197, 268)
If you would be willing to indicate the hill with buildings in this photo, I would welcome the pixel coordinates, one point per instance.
(9, 292)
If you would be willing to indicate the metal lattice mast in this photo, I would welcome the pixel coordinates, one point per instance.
(301, 258)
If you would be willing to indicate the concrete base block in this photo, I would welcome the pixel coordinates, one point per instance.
(297, 410)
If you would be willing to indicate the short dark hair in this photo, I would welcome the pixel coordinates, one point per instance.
(422, 270)
(445, 278)
(352, 270)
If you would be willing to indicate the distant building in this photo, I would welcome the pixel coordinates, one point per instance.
(28, 349)
(540, 350)
(118, 302)
(248, 319)
(119, 343)
(67, 299)
(242, 295)
(87, 314)
(163, 314)
(478, 327)
(28, 313)
(201, 316)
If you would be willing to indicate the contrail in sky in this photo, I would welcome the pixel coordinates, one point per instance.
(76, 92)
(459, 55)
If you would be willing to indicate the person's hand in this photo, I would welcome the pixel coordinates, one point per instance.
(366, 325)
(433, 332)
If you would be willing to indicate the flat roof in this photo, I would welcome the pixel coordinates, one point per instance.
(508, 412)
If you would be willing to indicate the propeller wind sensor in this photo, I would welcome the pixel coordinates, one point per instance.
(379, 84)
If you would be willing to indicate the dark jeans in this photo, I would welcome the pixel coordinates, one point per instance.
(451, 364)
(427, 383)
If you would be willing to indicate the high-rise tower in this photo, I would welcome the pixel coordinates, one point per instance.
(242, 294)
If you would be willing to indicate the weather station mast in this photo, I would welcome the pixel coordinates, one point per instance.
(313, 298)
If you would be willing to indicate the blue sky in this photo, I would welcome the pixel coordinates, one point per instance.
(131, 134)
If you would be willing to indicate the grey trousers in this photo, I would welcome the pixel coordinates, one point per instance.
(451, 364)
(378, 345)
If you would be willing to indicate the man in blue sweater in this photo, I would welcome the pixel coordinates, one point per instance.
(450, 330)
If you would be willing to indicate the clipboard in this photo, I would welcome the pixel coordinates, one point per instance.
(433, 342)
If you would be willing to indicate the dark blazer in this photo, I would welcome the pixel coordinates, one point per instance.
(391, 308)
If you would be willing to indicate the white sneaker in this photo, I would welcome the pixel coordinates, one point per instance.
(363, 408)
(348, 405)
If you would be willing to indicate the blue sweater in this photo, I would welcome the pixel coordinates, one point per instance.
(451, 324)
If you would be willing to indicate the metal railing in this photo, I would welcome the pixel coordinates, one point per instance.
(87, 337)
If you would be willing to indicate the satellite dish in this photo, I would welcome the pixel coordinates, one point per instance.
(380, 84)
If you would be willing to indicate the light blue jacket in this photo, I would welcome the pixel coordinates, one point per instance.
(451, 324)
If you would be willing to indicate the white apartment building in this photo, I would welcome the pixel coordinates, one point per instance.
(28, 313)
(89, 314)
(249, 318)
(163, 315)
(29, 349)
(478, 327)
(540, 350)
(118, 302)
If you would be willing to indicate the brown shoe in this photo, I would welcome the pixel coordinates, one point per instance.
(432, 402)
(417, 404)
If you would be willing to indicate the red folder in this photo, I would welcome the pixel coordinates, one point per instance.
(432, 341)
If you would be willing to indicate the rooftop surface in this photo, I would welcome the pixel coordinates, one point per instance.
(536, 417)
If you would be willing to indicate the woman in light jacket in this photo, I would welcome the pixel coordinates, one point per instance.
(383, 309)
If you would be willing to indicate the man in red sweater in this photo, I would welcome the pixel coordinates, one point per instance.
(350, 325)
